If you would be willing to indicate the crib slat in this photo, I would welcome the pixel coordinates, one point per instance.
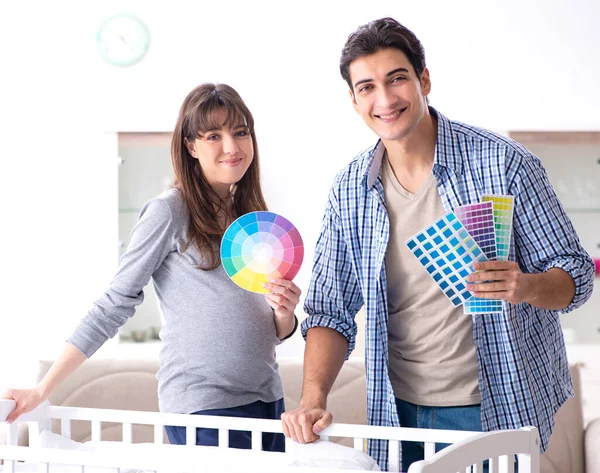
(34, 433)
(429, 450)
(478, 468)
(65, 428)
(12, 433)
(524, 463)
(44, 468)
(493, 467)
(96, 431)
(127, 433)
(224, 438)
(507, 465)
(256, 440)
(394, 455)
(158, 434)
(359, 444)
(289, 445)
(190, 436)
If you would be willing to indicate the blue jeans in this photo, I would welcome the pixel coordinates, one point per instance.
(237, 439)
(445, 418)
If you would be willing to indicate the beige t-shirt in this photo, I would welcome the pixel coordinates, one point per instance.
(431, 351)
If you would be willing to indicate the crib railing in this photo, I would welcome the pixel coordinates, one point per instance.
(502, 445)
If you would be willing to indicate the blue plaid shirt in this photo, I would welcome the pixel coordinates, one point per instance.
(523, 372)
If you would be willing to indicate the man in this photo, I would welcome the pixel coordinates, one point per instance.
(428, 364)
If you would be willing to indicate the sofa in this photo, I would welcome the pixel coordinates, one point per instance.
(132, 385)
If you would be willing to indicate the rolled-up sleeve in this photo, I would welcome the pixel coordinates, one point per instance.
(544, 235)
(151, 242)
(334, 296)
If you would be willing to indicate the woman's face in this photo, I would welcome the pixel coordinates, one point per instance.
(224, 154)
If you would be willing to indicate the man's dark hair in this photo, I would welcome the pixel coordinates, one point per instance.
(377, 35)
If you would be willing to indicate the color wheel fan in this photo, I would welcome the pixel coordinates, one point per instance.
(259, 247)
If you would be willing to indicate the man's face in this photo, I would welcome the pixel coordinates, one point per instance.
(387, 93)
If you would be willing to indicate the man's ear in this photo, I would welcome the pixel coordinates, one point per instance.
(353, 99)
(425, 82)
(190, 147)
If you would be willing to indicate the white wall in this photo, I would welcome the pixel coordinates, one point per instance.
(499, 64)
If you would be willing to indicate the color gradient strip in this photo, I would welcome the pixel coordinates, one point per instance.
(447, 252)
(478, 219)
(477, 305)
(503, 219)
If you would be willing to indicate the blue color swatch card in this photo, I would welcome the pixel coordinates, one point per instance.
(447, 252)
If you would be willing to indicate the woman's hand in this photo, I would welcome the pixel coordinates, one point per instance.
(26, 399)
(283, 299)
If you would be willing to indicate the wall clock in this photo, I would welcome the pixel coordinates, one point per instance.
(123, 40)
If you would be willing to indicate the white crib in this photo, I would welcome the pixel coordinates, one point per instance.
(465, 455)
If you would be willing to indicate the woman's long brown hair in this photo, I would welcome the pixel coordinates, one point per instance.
(198, 114)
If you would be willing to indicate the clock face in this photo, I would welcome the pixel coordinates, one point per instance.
(123, 40)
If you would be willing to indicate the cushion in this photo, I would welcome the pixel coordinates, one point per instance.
(324, 454)
(565, 452)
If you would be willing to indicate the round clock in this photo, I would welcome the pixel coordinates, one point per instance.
(123, 40)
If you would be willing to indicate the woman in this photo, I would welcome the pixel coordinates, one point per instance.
(218, 353)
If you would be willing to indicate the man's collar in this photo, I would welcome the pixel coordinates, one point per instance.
(447, 151)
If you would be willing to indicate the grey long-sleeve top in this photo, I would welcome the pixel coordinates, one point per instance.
(219, 340)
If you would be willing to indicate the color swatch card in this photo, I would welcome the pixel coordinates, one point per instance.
(259, 247)
(478, 220)
(503, 220)
(447, 252)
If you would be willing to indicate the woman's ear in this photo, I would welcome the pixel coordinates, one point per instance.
(190, 147)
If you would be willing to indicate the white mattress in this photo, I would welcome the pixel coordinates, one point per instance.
(320, 454)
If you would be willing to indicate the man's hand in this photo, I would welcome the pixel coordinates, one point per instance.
(304, 425)
(552, 290)
(504, 281)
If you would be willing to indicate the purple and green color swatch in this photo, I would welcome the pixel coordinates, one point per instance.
(447, 252)
(478, 219)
